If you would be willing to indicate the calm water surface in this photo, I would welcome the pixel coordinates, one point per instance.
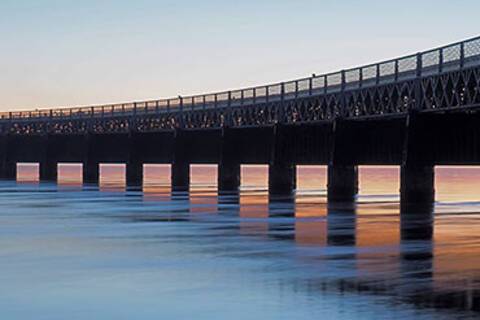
(73, 251)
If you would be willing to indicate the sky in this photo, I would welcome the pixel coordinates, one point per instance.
(78, 53)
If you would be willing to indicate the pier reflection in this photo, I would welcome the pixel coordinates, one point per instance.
(310, 219)
(425, 255)
(254, 212)
(342, 224)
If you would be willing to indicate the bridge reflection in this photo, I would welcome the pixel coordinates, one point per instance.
(426, 255)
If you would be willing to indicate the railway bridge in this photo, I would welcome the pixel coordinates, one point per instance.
(415, 111)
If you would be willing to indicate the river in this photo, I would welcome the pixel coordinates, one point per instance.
(74, 251)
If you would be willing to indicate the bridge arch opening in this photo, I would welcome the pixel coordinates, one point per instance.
(156, 174)
(69, 173)
(311, 178)
(460, 184)
(28, 172)
(112, 175)
(203, 176)
(379, 183)
(254, 177)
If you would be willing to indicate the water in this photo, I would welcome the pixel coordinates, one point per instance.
(73, 251)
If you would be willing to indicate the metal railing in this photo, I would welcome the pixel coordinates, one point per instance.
(452, 57)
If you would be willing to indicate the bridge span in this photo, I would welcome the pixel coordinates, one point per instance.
(416, 111)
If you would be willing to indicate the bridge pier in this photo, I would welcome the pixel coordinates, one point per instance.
(342, 183)
(229, 166)
(9, 170)
(417, 184)
(228, 176)
(417, 176)
(180, 176)
(281, 178)
(134, 174)
(181, 165)
(91, 173)
(48, 170)
(282, 174)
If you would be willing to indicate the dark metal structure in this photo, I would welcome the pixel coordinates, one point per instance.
(416, 111)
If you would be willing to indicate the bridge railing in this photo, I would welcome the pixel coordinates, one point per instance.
(436, 61)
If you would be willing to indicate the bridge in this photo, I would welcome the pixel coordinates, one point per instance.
(415, 111)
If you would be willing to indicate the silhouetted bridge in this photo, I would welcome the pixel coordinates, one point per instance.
(416, 111)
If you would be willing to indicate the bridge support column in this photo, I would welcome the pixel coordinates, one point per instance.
(180, 165)
(417, 176)
(134, 174)
(4, 164)
(229, 167)
(342, 182)
(417, 184)
(180, 176)
(228, 176)
(91, 172)
(282, 177)
(134, 167)
(47, 163)
(9, 170)
(91, 166)
(48, 170)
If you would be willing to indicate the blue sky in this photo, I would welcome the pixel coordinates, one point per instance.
(62, 53)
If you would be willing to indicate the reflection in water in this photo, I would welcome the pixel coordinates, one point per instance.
(342, 224)
(211, 251)
(310, 219)
(254, 211)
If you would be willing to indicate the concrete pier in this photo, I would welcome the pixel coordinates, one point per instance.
(48, 170)
(9, 170)
(91, 172)
(180, 176)
(134, 173)
(229, 165)
(342, 183)
(417, 184)
(228, 176)
(282, 174)
(281, 178)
